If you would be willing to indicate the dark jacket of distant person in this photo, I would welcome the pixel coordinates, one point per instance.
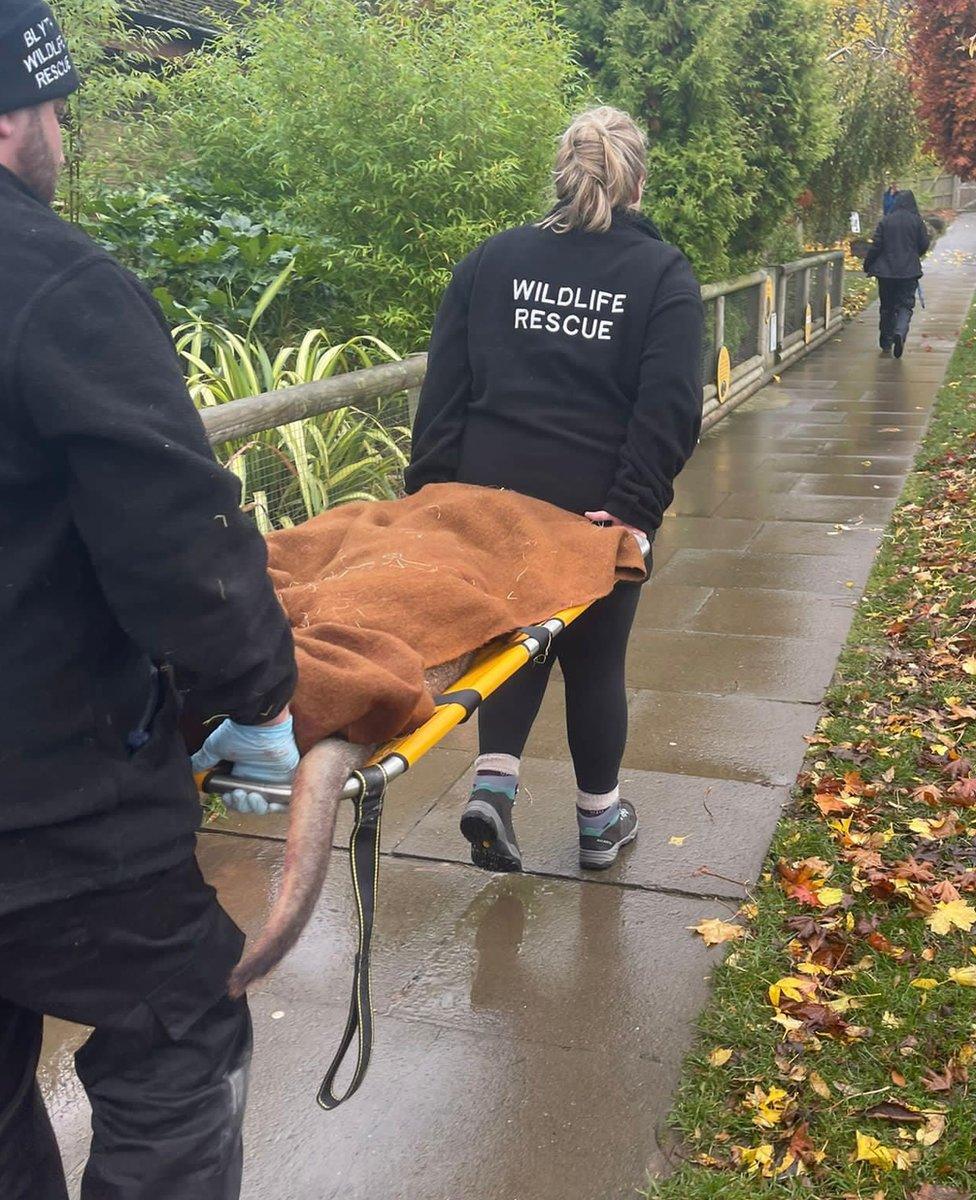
(899, 241)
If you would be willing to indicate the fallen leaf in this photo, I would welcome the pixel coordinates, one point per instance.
(830, 896)
(928, 793)
(719, 1056)
(753, 1158)
(924, 984)
(716, 931)
(934, 1191)
(894, 1110)
(791, 988)
(819, 1085)
(964, 976)
(769, 1107)
(934, 1128)
(677, 841)
(884, 1158)
(955, 915)
(828, 804)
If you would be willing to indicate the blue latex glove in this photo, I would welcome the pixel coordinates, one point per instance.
(262, 753)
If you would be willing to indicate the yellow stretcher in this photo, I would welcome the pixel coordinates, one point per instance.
(367, 789)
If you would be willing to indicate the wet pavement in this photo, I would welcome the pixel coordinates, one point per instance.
(530, 1029)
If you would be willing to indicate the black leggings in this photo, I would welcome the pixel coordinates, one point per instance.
(592, 653)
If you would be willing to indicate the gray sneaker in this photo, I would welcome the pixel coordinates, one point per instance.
(487, 824)
(599, 851)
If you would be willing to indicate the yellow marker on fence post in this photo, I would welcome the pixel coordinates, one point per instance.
(723, 374)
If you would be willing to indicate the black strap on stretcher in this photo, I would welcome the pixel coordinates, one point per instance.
(364, 860)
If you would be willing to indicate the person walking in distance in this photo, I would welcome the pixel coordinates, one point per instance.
(565, 364)
(894, 257)
(128, 577)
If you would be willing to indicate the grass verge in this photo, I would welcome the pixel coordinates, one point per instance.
(835, 1055)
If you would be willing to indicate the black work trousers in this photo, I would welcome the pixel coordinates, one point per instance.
(592, 653)
(897, 299)
(166, 1066)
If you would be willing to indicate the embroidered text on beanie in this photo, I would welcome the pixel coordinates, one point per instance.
(34, 61)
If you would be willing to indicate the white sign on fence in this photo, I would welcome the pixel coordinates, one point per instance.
(855, 222)
(772, 332)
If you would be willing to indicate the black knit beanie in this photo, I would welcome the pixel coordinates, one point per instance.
(34, 62)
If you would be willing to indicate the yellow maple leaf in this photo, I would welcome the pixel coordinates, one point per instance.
(965, 976)
(754, 1158)
(769, 1106)
(884, 1158)
(790, 987)
(956, 914)
(719, 1056)
(715, 931)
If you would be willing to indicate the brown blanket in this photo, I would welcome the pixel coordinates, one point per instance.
(377, 592)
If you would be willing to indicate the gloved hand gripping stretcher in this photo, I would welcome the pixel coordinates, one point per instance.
(406, 615)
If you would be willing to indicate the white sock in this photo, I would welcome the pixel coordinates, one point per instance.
(597, 802)
(501, 764)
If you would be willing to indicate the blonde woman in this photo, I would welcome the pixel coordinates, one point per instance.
(565, 364)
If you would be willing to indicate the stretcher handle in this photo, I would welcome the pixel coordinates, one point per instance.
(219, 781)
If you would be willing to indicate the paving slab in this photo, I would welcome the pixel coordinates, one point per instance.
(697, 834)
(820, 538)
(722, 737)
(828, 575)
(808, 508)
(776, 614)
(487, 1082)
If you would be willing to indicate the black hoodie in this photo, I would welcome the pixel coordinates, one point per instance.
(566, 366)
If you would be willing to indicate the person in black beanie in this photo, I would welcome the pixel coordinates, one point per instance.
(565, 364)
(128, 578)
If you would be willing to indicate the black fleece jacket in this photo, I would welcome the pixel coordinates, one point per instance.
(567, 367)
(122, 550)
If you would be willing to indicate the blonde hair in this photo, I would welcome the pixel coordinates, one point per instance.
(599, 167)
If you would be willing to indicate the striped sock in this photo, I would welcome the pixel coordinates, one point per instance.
(595, 812)
(496, 773)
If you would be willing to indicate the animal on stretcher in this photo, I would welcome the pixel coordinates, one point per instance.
(388, 602)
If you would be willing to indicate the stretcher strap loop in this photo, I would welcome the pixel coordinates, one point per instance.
(364, 859)
(543, 635)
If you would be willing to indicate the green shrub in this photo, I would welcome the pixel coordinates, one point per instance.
(212, 262)
(878, 137)
(408, 133)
